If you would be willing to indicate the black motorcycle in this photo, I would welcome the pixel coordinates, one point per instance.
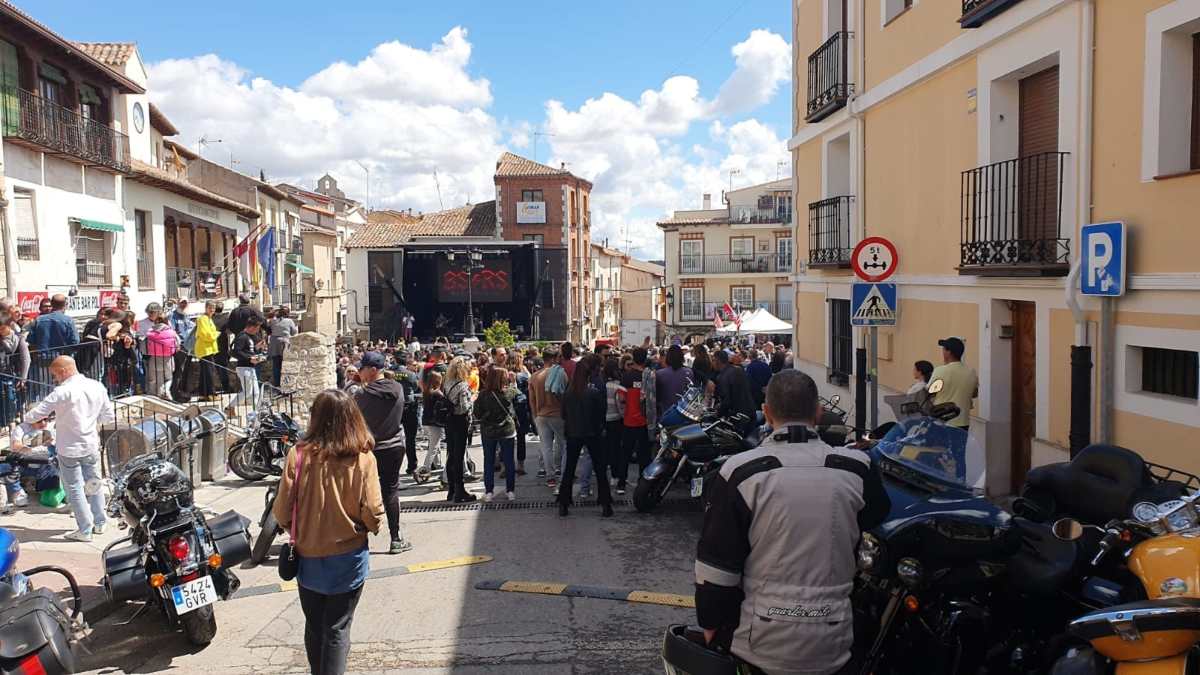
(174, 556)
(269, 437)
(693, 445)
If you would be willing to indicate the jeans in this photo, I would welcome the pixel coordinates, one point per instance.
(505, 447)
(158, 371)
(388, 462)
(248, 378)
(523, 423)
(597, 451)
(552, 439)
(613, 432)
(276, 369)
(327, 621)
(635, 445)
(74, 472)
(434, 451)
(456, 451)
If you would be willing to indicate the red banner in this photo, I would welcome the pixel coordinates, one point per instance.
(84, 302)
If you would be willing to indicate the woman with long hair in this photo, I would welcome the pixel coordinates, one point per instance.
(431, 399)
(457, 389)
(331, 482)
(702, 368)
(497, 428)
(584, 409)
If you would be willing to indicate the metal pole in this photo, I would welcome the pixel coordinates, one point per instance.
(860, 390)
(470, 302)
(874, 377)
(1108, 354)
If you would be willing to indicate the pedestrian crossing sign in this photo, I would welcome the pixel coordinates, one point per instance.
(873, 305)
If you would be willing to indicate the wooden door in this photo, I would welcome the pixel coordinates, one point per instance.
(1038, 171)
(1024, 389)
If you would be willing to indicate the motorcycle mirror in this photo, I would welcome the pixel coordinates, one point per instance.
(1067, 529)
(935, 386)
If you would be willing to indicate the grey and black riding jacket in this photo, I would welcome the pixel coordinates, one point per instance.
(776, 559)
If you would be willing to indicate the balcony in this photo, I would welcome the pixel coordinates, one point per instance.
(194, 284)
(706, 310)
(764, 263)
(52, 128)
(1012, 218)
(780, 215)
(975, 13)
(829, 223)
(828, 77)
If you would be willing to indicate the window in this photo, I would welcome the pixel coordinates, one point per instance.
(25, 225)
(783, 253)
(574, 214)
(52, 83)
(894, 8)
(1171, 372)
(91, 105)
(144, 233)
(741, 297)
(691, 304)
(1171, 77)
(841, 343)
(691, 256)
(741, 248)
(783, 208)
(537, 239)
(531, 196)
(91, 257)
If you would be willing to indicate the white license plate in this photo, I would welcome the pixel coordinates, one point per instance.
(193, 595)
(698, 486)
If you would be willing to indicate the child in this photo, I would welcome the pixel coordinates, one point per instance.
(430, 401)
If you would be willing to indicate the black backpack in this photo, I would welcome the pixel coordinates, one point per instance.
(442, 410)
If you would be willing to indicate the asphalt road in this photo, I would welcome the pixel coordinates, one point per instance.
(436, 620)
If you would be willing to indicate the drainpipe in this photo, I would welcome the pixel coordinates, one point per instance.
(860, 184)
(10, 259)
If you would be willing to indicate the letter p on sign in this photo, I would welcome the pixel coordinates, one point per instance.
(1105, 250)
(1099, 256)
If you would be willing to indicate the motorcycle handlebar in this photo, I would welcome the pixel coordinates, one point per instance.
(76, 596)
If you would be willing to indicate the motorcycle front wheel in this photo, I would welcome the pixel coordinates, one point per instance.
(200, 625)
(649, 493)
(241, 461)
(262, 545)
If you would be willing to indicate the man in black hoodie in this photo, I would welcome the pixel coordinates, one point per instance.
(382, 404)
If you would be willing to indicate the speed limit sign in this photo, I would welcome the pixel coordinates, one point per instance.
(874, 259)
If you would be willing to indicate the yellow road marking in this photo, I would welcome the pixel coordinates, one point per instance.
(671, 599)
(453, 562)
(532, 587)
(288, 585)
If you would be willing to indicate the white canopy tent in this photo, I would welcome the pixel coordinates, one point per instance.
(757, 321)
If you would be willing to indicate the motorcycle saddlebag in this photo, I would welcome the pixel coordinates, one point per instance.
(124, 574)
(35, 626)
(232, 538)
(684, 653)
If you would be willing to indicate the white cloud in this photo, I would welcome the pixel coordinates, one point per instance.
(764, 62)
(403, 112)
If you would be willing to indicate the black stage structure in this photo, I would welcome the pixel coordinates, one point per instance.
(518, 281)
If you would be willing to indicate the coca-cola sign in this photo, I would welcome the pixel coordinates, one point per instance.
(85, 302)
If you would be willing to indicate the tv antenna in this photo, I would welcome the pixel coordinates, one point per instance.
(536, 135)
(439, 190)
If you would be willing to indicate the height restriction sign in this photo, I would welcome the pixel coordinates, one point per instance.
(874, 259)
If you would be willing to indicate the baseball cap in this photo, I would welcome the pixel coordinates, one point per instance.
(954, 345)
(373, 360)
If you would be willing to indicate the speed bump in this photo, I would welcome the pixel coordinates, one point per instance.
(401, 570)
(594, 592)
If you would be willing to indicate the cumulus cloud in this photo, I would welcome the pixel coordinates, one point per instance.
(764, 63)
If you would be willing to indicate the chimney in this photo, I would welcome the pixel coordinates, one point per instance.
(707, 201)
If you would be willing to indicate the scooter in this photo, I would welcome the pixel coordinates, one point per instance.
(36, 632)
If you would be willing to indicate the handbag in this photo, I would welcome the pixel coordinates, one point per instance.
(289, 560)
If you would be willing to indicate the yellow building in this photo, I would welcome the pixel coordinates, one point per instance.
(740, 254)
(979, 135)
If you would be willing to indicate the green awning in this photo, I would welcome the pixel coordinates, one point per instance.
(300, 267)
(98, 225)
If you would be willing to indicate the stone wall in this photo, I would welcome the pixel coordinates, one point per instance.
(309, 367)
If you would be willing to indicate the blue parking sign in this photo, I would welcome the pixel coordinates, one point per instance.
(1105, 253)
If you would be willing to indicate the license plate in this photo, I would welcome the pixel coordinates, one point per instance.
(698, 486)
(193, 595)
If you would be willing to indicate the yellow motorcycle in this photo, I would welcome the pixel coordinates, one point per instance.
(1159, 635)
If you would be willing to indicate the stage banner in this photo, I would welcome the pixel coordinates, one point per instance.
(490, 283)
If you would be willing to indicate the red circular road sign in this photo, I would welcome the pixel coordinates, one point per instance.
(874, 259)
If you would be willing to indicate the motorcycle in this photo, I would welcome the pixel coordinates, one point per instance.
(693, 445)
(36, 633)
(175, 557)
(269, 436)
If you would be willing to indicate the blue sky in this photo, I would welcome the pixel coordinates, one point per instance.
(654, 153)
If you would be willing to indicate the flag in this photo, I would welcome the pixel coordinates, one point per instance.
(717, 323)
(240, 253)
(266, 256)
(732, 315)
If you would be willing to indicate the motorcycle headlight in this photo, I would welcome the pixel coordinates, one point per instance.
(910, 572)
(870, 552)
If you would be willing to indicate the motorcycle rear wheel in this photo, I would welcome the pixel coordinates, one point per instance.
(200, 625)
(240, 462)
(266, 537)
(649, 493)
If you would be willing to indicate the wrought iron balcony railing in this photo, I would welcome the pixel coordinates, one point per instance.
(726, 263)
(829, 84)
(781, 214)
(52, 127)
(975, 13)
(1012, 218)
(829, 226)
(707, 310)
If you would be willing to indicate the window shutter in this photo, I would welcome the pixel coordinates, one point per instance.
(24, 222)
(9, 105)
(52, 73)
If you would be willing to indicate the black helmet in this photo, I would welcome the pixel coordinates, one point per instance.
(159, 483)
(685, 653)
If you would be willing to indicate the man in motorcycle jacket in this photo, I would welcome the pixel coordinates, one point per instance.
(776, 560)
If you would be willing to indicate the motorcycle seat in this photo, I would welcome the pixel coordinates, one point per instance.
(1098, 485)
(1043, 563)
(1162, 614)
(752, 439)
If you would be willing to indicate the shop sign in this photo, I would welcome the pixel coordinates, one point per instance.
(82, 304)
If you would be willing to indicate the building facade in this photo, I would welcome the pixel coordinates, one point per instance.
(625, 288)
(741, 254)
(979, 136)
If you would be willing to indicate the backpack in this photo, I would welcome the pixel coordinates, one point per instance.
(442, 409)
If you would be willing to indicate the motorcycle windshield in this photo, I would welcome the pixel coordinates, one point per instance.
(689, 408)
(125, 448)
(937, 450)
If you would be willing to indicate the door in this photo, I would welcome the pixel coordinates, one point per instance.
(691, 256)
(1024, 389)
(783, 250)
(1038, 170)
(783, 302)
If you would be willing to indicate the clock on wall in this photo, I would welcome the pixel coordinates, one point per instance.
(139, 117)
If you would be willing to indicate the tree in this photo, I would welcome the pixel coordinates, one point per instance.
(499, 335)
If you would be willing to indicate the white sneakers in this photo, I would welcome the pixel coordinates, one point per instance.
(487, 497)
(512, 496)
(98, 529)
(77, 535)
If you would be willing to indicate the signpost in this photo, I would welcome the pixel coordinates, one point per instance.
(873, 304)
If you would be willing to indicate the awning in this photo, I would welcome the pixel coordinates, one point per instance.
(300, 267)
(98, 225)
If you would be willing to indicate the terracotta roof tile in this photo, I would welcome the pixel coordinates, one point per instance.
(516, 165)
(472, 220)
(114, 54)
(390, 216)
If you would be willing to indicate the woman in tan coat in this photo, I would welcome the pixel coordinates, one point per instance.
(332, 478)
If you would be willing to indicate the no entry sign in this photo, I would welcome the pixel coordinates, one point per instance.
(874, 259)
